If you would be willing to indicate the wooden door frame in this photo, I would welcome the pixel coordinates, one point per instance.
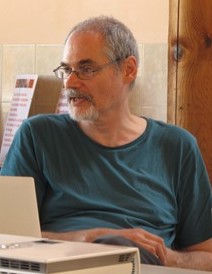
(172, 60)
(189, 70)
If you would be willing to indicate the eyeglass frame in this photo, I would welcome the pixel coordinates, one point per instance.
(78, 71)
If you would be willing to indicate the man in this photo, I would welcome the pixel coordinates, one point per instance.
(106, 175)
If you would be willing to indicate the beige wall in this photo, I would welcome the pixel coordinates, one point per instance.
(48, 21)
(32, 33)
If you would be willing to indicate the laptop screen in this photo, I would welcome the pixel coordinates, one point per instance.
(18, 207)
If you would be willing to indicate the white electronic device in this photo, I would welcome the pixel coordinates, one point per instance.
(18, 207)
(28, 255)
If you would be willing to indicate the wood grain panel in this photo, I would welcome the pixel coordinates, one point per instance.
(190, 61)
(172, 60)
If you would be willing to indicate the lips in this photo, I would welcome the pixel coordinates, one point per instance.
(77, 100)
(75, 96)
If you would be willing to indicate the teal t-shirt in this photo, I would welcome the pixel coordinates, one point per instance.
(157, 182)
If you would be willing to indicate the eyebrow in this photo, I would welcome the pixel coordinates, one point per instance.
(81, 62)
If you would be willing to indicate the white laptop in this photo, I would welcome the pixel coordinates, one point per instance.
(31, 254)
(26, 255)
(18, 207)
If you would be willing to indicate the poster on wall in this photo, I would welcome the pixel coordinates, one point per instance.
(19, 109)
(62, 105)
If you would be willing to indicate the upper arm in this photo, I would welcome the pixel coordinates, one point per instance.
(21, 160)
(194, 203)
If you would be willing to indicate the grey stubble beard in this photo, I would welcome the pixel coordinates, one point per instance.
(90, 113)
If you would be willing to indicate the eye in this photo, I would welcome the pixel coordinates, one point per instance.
(66, 69)
(86, 70)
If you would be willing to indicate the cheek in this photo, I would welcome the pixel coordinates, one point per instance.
(106, 89)
(108, 95)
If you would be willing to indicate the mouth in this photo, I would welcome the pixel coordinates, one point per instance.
(77, 96)
(78, 99)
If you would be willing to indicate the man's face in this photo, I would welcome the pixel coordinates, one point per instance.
(89, 99)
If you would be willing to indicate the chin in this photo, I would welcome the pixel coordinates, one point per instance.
(90, 114)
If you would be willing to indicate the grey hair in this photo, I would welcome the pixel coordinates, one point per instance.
(119, 40)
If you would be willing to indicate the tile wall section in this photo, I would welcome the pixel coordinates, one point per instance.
(149, 97)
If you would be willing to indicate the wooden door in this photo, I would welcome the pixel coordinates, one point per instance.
(190, 71)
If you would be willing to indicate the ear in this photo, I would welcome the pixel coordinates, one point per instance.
(130, 69)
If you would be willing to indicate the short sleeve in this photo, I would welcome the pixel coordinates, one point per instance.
(194, 200)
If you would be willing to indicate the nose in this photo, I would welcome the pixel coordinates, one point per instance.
(72, 81)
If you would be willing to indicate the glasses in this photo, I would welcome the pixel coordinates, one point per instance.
(84, 73)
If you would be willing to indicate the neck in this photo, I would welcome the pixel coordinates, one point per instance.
(114, 131)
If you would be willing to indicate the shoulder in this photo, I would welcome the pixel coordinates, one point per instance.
(44, 124)
(47, 121)
(47, 118)
(172, 134)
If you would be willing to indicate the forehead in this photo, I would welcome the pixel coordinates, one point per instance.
(84, 46)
